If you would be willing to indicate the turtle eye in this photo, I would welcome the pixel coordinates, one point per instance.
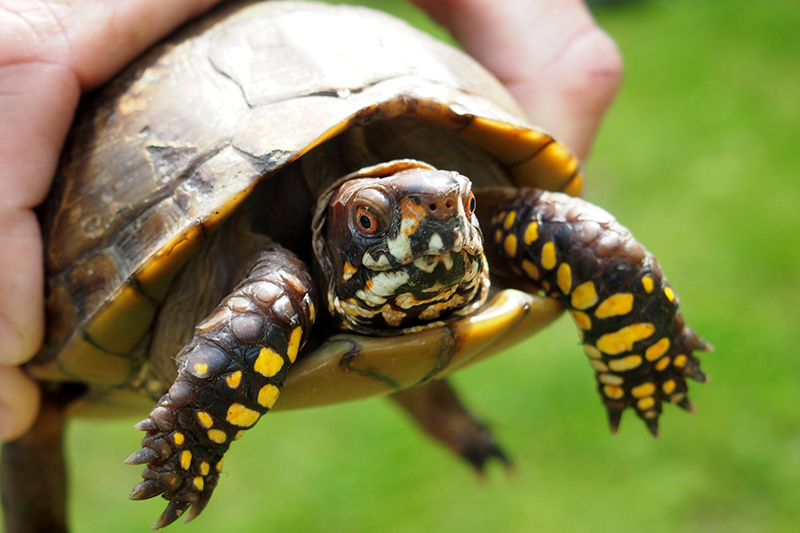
(471, 204)
(366, 221)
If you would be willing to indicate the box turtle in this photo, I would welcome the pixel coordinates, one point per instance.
(279, 207)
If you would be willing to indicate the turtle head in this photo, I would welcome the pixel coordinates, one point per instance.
(402, 250)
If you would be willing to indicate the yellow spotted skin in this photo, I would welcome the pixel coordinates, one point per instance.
(626, 312)
(230, 375)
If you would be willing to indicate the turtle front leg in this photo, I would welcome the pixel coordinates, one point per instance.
(230, 374)
(625, 309)
(438, 411)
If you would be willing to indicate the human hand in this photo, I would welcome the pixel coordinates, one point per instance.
(559, 65)
(50, 51)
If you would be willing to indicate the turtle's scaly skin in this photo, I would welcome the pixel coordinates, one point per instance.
(627, 313)
(230, 374)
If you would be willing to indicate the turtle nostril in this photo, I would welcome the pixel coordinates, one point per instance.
(449, 204)
(432, 206)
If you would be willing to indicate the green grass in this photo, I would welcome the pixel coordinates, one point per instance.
(700, 157)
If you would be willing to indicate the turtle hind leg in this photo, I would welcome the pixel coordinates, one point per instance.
(230, 374)
(32, 469)
(438, 411)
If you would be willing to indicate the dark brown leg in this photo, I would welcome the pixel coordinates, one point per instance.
(229, 375)
(626, 310)
(34, 475)
(437, 410)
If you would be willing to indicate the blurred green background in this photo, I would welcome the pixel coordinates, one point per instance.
(700, 157)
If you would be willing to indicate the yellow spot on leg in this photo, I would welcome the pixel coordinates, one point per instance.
(584, 296)
(241, 416)
(205, 419)
(615, 305)
(200, 370)
(645, 389)
(565, 279)
(218, 467)
(530, 269)
(582, 320)
(645, 403)
(239, 434)
(680, 361)
(625, 363)
(269, 362)
(186, 459)
(669, 293)
(549, 256)
(662, 364)
(217, 435)
(657, 350)
(624, 339)
(510, 245)
(647, 283)
(198, 482)
(613, 392)
(294, 343)
(204, 468)
(599, 366)
(669, 386)
(178, 438)
(531, 233)
(233, 380)
(498, 236)
(268, 395)
(510, 218)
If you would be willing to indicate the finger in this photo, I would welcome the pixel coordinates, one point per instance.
(94, 38)
(19, 403)
(36, 107)
(562, 68)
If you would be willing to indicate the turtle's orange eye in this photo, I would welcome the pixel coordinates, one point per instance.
(366, 221)
(471, 204)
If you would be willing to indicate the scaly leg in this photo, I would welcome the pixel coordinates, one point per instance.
(627, 313)
(34, 479)
(438, 411)
(230, 374)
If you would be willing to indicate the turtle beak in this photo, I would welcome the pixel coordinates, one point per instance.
(443, 226)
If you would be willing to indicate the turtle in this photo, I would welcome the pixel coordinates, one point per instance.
(291, 204)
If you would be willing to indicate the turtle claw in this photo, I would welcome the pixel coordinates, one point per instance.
(479, 452)
(698, 375)
(686, 404)
(142, 456)
(614, 418)
(146, 425)
(652, 426)
(147, 489)
(173, 511)
(199, 505)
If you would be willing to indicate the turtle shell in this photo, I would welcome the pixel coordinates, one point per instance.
(168, 150)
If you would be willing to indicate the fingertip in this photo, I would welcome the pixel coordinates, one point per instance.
(20, 400)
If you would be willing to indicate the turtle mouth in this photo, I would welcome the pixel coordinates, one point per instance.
(428, 291)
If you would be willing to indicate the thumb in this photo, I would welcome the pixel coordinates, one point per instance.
(551, 54)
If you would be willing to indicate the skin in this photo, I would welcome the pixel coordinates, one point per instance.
(563, 69)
